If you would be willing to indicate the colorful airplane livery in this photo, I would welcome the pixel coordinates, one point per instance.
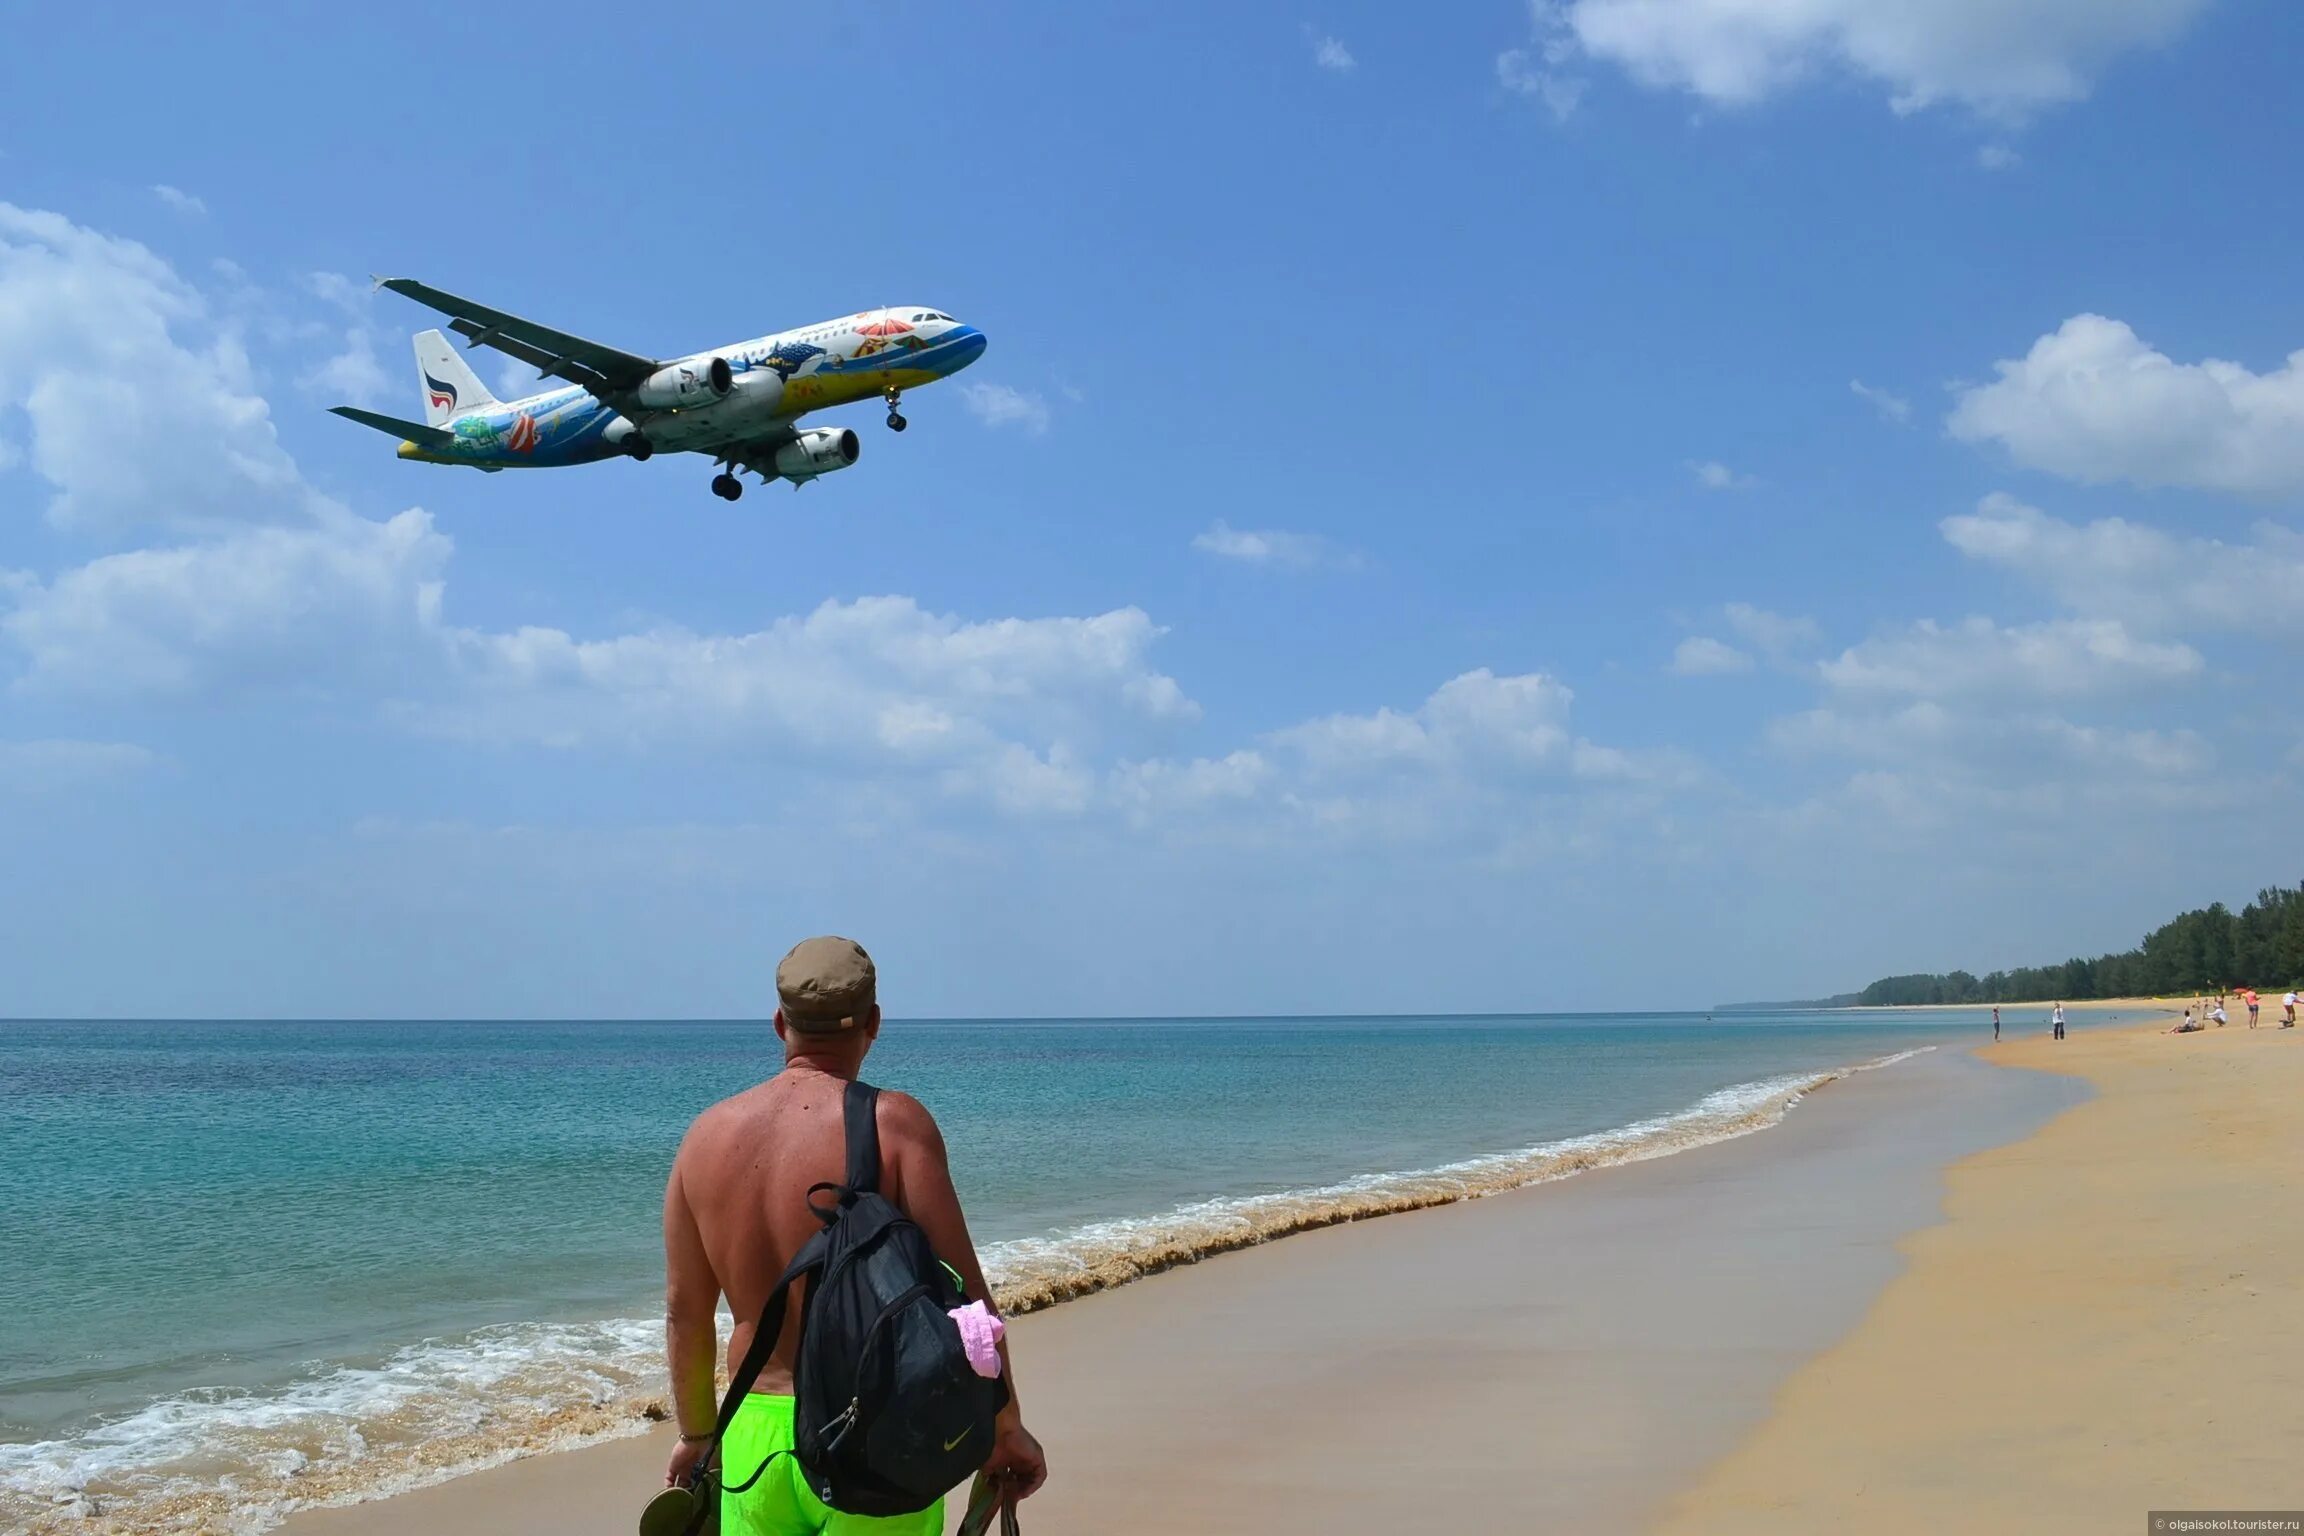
(738, 404)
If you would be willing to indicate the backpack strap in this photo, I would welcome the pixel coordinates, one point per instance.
(764, 1336)
(861, 1113)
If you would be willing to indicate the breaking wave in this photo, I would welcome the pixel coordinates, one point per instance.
(241, 1461)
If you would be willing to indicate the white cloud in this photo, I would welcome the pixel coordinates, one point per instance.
(141, 404)
(352, 376)
(1891, 407)
(1962, 727)
(2003, 58)
(41, 767)
(1702, 656)
(182, 202)
(296, 609)
(999, 405)
(1716, 476)
(2150, 580)
(879, 675)
(1486, 762)
(2093, 402)
(1164, 791)
(1476, 720)
(348, 294)
(1977, 658)
(2008, 748)
(1333, 56)
(1779, 637)
(1269, 546)
(1998, 157)
(1521, 72)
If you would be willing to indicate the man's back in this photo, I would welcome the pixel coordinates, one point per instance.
(744, 1174)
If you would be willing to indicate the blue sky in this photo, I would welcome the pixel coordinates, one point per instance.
(1599, 504)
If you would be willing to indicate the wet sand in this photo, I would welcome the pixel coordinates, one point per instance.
(2111, 1321)
(1561, 1357)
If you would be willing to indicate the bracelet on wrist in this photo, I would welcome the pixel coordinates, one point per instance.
(688, 1439)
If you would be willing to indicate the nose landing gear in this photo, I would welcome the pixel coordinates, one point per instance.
(896, 421)
(726, 486)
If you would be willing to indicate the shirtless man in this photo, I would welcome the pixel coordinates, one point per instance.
(736, 1211)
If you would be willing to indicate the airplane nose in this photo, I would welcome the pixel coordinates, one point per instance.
(969, 344)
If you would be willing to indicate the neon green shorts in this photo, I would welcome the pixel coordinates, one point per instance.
(780, 1503)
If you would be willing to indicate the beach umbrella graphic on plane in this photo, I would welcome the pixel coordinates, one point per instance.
(739, 405)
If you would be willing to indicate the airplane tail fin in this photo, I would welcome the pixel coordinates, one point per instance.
(451, 388)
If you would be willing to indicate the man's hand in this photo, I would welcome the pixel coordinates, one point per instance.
(685, 1455)
(1017, 1463)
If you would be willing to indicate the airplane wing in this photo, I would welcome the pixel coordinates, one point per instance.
(603, 370)
(758, 455)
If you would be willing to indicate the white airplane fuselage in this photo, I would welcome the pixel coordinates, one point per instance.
(721, 401)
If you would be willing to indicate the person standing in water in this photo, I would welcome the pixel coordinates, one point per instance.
(2057, 1018)
(1995, 1021)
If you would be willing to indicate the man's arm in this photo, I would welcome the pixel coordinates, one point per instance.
(691, 1341)
(923, 1190)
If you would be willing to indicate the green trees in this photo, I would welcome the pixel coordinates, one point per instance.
(2208, 950)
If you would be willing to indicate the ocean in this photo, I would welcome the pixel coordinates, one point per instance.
(246, 1267)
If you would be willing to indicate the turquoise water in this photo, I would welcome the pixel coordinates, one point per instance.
(268, 1251)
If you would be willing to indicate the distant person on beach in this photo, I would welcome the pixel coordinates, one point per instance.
(737, 1209)
(2057, 1018)
(2185, 1028)
(2219, 1013)
(2249, 997)
(2289, 1002)
(1995, 1021)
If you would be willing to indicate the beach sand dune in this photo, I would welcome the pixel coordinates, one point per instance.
(2110, 1322)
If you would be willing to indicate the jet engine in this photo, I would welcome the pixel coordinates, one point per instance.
(817, 451)
(684, 385)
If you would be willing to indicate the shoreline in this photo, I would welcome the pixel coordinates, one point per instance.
(1301, 1339)
(432, 1439)
(2109, 1321)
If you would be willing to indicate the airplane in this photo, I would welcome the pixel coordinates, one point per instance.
(738, 404)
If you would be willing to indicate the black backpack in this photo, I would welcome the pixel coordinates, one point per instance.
(888, 1415)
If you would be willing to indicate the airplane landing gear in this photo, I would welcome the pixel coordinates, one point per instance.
(727, 487)
(896, 422)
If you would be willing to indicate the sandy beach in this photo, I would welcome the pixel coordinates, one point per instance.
(1564, 1356)
(2110, 1321)
(1942, 1295)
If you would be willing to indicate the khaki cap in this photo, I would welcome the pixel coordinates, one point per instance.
(826, 985)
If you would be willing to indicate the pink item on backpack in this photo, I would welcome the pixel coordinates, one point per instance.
(980, 1335)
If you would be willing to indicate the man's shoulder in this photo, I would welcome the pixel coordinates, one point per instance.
(723, 1118)
(901, 1110)
(904, 1118)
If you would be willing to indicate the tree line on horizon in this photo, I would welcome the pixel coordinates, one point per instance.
(2212, 949)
